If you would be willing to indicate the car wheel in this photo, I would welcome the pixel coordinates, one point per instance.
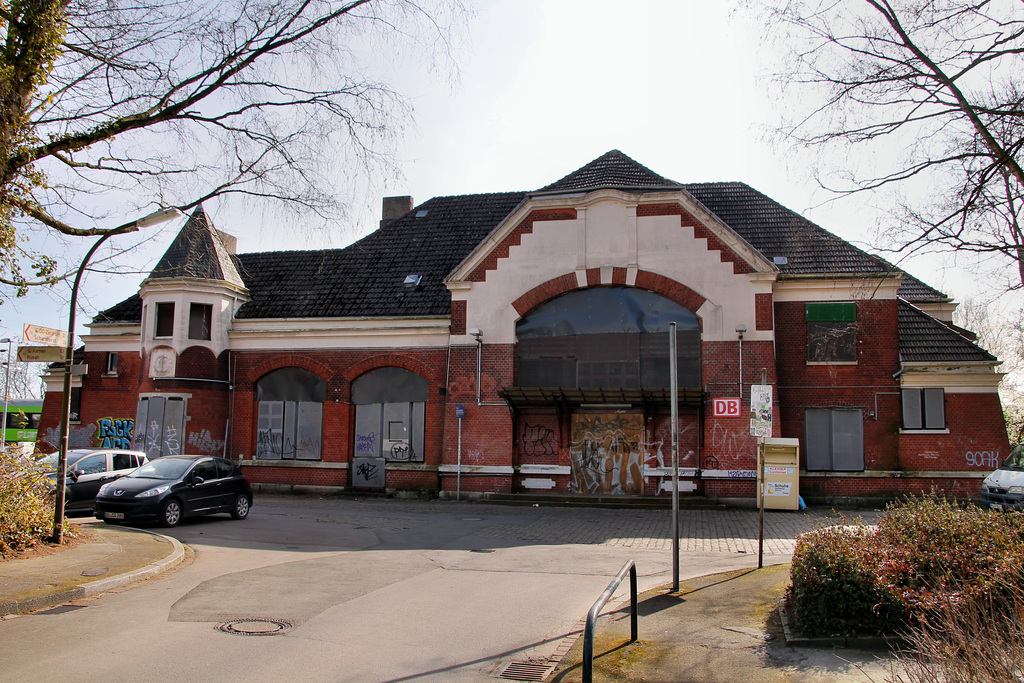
(171, 513)
(241, 508)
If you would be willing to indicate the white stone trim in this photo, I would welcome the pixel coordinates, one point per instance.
(297, 464)
(535, 484)
(667, 471)
(501, 470)
(870, 287)
(315, 333)
(684, 486)
(729, 474)
(545, 469)
(898, 474)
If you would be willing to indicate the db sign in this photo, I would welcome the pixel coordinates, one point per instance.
(726, 407)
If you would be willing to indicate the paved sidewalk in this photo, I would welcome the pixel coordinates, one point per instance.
(108, 557)
(720, 628)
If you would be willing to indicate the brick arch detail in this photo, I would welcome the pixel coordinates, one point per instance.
(289, 361)
(659, 284)
(356, 370)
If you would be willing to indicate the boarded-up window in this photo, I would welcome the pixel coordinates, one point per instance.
(159, 426)
(289, 419)
(831, 332)
(834, 440)
(924, 408)
(390, 410)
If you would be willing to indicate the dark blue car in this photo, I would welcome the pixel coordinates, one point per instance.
(168, 489)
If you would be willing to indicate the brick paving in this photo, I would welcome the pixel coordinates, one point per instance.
(733, 530)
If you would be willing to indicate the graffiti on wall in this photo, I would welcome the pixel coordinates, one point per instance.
(115, 433)
(203, 442)
(606, 454)
(538, 440)
(171, 443)
(987, 459)
(269, 445)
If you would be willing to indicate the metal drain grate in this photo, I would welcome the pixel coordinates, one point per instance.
(256, 627)
(523, 671)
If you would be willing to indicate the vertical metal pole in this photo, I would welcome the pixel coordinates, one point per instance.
(7, 394)
(674, 390)
(760, 488)
(458, 471)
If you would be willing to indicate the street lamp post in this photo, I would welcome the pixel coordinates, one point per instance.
(62, 459)
(7, 393)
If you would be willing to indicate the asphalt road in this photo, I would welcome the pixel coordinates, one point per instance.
(376, 590)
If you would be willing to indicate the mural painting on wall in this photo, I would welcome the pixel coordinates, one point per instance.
(606, 454)
(115, 432)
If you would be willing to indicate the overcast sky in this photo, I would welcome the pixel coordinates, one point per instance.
(545, 87)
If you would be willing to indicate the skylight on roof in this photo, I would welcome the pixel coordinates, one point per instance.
(422, 213)
(412, 280)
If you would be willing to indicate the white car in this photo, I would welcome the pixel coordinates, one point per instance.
(88, 469)
(1004, 488)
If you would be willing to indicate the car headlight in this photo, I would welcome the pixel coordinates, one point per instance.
(1016, 489)
(153, 492)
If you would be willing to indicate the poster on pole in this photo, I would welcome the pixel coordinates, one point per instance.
(761, 410)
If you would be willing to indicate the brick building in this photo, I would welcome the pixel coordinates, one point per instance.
(519, 342)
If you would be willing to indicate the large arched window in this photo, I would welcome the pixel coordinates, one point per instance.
(390, 407)
(290, 415)
(607, 337)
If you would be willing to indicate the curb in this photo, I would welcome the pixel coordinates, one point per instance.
(99, 586)
(794, 639)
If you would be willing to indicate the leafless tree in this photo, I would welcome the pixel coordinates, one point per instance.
(923, 97)
(172, 102)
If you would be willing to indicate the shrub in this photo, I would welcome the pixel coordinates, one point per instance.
(976, 640)
(26, 503)
(925, 555)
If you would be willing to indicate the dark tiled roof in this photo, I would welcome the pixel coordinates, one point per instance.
(613, 169)
(366, 278)
(198, 252)
(128, 311)
(924, 339)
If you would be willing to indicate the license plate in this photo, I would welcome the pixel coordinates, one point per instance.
(113, 515)
(996, 506)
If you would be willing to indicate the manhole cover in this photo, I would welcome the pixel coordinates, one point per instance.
(256, 627)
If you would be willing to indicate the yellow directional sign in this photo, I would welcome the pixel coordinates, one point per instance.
(40, 354)
(37, 334)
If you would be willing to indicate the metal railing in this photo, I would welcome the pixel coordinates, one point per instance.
(588, 633)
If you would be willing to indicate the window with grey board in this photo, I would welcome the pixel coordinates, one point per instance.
(834, 440)
(390, 410)
(924, 408)
(289, 419)
(159, 426)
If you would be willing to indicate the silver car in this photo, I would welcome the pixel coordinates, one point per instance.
(88, 469)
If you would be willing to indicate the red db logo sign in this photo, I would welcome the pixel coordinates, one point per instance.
(726, 407)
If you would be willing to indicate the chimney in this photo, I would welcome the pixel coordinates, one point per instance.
(395, 207)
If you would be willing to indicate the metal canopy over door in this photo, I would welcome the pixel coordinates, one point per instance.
(606, 453)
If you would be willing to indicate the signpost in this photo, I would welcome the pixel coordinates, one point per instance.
(761, 427)
(40, 354)
(37, 334)
(460, 412)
